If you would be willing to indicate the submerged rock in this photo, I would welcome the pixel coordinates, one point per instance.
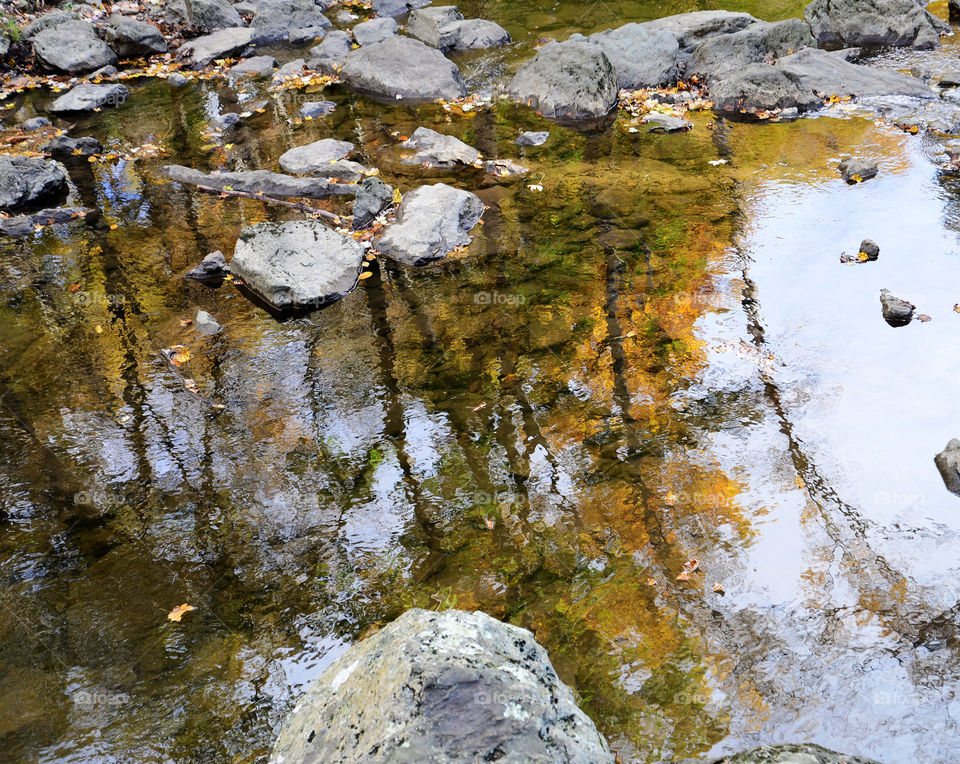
(896, 312)
(854, 170)
(532, 139)
(24, 225)
(948, 464)
(302, 160)
(212, 270)
(89, 97)
(278, 19)
(402, 69)
(848, 23)
(208, 15)
(432, 222)
(373, 197)
(37, 123)
(297, 265)
(257, 66)
(133, 39)
(261, 181)
(438, 150)
(313, 109)
(568, 82)
(224, 43)
(450, 686)
(790, 753)
(72, 47)
(65, 147)
(28, 182)
(374, 30)
(206, 324)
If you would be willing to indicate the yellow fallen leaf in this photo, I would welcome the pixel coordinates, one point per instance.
(863, 257)
(365, 275)
(99, 329)
(113, 226)
(718, 588)
(177, 613)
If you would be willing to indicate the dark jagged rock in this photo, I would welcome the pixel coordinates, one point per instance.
(211, 271)
(133, 39)
(948, 464)
(28, 183)
(299, 265)
(65, 147)
(373, 197)
(261, 181)
(450, 686)
(568, 82)
(432, 222)
(402, 69)
(854, 170)
(88, 97)
(896, 312)
(72, 47)
(871, 23)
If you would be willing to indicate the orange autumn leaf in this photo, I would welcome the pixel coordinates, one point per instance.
(177, 613)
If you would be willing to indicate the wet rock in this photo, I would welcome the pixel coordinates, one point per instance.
(305, 35)
(290, 70)
(37, 123)
(727, 53)
(65, 147)
(313, 109)
(208, 15)
(432, 221)
(828, 73)
(105, 72)
(47, 21)
(791, 753)
(262, 181)
(397, 7)
(298, 265)
(532, 139)
(133, 39)
(758, 87)
(450, 686)
(72, 47)
(258, 66)
(225, 121)
(177, 80)
(206, 324)
(211, 271)
(224, 43)
(948, 464)
(276, 19)
(28, 182)
(870, 248)
(642, 57)
(445, 28)
(24, 225)
(374, 30)
(950, 80)
(402, 69)
(896, 312)
(373, 197)
(302, 160)
(505, 168)
(89, 97)
(438, 150)
(852, 169)
(345, 17)
(330, 54)
(568, 82)
(953, 9)
(845, 23)
(665, 123)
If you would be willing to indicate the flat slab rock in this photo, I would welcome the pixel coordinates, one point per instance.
(256, 181)
(402, 69)
(88, 97)
(223, 43)
(441, 687)
(24, 225)
(438, 150)
(301, 160)
(432, 222)
(298, 265)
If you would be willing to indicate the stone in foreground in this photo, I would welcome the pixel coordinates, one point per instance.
(432, 222)
(441, 687)
(72, 47)
(26, 182)
(132, 39)
(948, 464)
(375, 30)
(89, 97)
(296, 266)
(402, 69)
(790, 753)
(568, 82)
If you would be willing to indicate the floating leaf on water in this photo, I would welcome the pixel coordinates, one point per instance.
(718, 588)
(365, 275)
(177, 613)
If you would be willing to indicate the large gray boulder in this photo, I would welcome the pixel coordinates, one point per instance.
(870, 23)
(46, 21)
(133, 39)
(208, 15)
(790, 753)
(88, 97)
(432, 222)
(568, 81)
(221, 44)
(72, 47)
(438, 150)
(445, 28)
(758, 88)
(332, 51)
(948, 464)
(374, 30)
(29, 183)
(830, 74)
(402, 69)
(441, 687)
(719, 55)
(280, 19)
(261, 181)
(254, 67)
(690, 29)
(642, 57)
(298, 265)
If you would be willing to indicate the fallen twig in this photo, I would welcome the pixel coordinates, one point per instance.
(260, 198)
